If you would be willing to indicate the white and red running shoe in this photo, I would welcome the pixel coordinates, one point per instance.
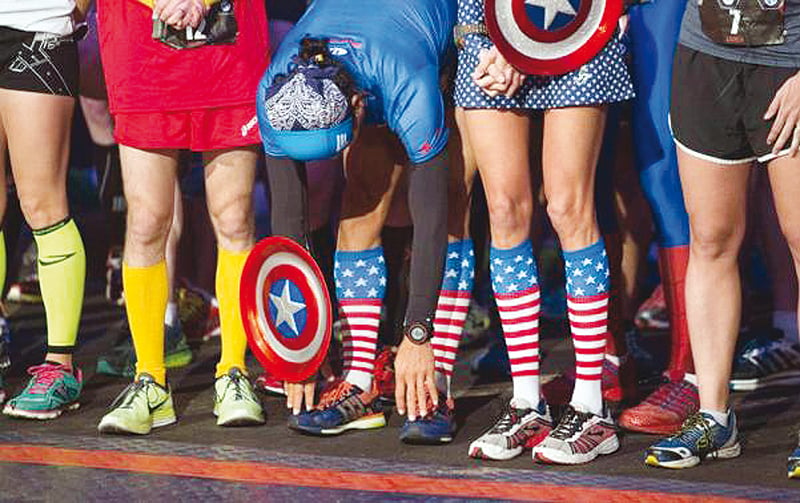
(579, 438)
(521, 426)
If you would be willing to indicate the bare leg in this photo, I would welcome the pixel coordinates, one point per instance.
(716, 200)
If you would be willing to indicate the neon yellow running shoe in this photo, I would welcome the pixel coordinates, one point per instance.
(235, 402)
(142, 406)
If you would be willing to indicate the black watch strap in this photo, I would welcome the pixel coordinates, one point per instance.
(418, 332)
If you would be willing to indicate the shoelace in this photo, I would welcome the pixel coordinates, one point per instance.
(44, 377)
(333, 396)
(235, 380)
(693, 424)
(509, 418)
(570, 424)
(125, 399)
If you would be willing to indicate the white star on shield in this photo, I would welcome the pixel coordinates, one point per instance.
(552, 8)
(286, 308)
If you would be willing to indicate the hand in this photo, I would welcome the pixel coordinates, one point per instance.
(495, 75)
(180, 13)
(785, 109)
(296, 392)
(414, 377)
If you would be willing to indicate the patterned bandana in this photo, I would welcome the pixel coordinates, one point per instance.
(309, 99)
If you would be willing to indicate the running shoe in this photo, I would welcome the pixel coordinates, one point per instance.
(793, 464)
(25, 292)
(212, 322)
(653, 313)
(268, 384)
(521, 426)
(766, 362)
(121, 361)
(619, 381)
(384, 373)
(665, 410)
(143, 405)
(437, 427)
(578, 438)
(700, 437)
(114, 293)
(52, 389)
(343, 406)
(235, 402)
(198, 314)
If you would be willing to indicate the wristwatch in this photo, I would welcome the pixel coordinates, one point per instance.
(418, 332)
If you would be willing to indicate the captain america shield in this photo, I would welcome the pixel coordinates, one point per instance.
(285, 309)
(551, 37)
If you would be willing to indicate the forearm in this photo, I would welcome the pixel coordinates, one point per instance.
(427, 198)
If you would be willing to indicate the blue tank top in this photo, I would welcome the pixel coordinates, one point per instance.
(394, 50)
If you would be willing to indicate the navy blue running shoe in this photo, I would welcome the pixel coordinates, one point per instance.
(343, 406)
(434, 429)
(700, 437)
(793, 465)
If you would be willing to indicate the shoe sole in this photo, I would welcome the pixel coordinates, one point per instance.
(492, 452)
(690, 462)
(794, 474)
(415, 437)
(652, 430)
(112, 427)
(370, 422)
(553, 456)
(39, 415)
(788, 378)
(240, 419)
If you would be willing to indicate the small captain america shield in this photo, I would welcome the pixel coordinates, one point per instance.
(551, 37)
(285, 309)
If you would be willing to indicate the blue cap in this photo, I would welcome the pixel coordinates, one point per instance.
(310, 144)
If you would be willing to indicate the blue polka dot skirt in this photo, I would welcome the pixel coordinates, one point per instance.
(604, 79)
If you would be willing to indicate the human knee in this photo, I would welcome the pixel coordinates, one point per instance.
(570, 215)
(234, 226)
(716, 242)
(43, 210)
(146, 227)
(509, 214)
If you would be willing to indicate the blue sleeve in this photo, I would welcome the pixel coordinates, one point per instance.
(416, 114)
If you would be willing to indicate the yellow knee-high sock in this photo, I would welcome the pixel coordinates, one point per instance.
(62, 274)
(234, 340)
(146, 292)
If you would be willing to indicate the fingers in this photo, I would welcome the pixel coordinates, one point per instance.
(785, 136)
(309, 387)
(777, 127)
(497, 73)
(516, 83)
(422, 403)
(430, 384)
(774, 106)
(411, 400)
(400, 394)
(483, 64)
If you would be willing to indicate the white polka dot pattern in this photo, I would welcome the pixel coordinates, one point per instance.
(604, 79)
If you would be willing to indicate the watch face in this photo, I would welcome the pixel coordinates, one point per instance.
(418, 333)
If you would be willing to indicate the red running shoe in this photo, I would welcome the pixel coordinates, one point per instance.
(653, 313)
(384, 373)
(665, 410)
(268, 384)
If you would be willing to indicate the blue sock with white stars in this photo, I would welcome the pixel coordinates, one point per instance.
(360, 288)
(587, 277)
(452, 308)
(515, 280)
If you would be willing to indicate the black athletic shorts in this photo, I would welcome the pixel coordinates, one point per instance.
(38, 62)
(718, 106)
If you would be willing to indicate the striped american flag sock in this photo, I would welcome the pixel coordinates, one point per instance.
(451, 310)
(587, 279)
(360, 287)
(516, 290)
